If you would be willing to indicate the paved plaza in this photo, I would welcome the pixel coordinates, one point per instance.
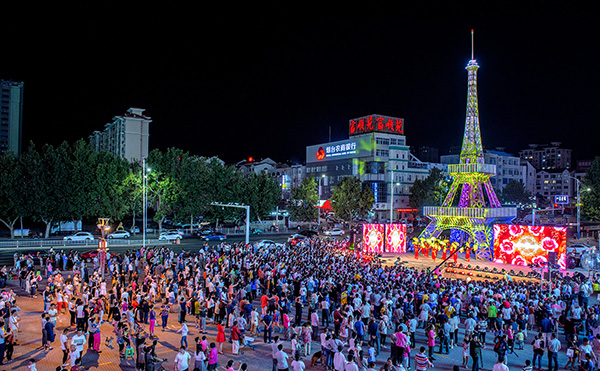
(30, 346)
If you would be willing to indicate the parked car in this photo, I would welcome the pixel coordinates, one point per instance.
(119, 234)
(80, 236)
(89, 255)
(578, 248)
(180, 233)
(308, 233)
(214, 236)
(264, 243)
(136, 229)
(169, 236)
(334, 232)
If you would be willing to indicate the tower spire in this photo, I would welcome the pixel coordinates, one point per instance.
(472, 151)
(472, 45)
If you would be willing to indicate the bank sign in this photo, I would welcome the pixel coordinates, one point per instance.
(357, 147)
(376, 123)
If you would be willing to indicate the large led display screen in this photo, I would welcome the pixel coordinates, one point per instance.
(523, 245)
(373, 235)
(395, 236)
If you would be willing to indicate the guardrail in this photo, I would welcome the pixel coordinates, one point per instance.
(43, 243)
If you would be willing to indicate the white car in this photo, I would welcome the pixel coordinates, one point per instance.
(334, 232)
(169, 236)
(80, 236)
(268, 243)
(579, 248)
(119, 234)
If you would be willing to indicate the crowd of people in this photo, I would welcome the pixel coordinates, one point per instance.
(314, 304)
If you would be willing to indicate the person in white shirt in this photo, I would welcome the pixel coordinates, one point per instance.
(182, 360)
(281, 358)
(64, 346)
(297, 364)
(339, 360)
(500, 366)
(351, 365)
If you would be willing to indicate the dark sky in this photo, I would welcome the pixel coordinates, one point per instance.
(268, 80)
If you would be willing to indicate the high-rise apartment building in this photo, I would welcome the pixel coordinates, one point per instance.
(11, 116)
(547, 157)
(126, 136)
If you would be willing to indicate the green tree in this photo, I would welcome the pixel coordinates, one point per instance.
(109, 192)
(590, 199)
(47, 186)
(262, 194)
(83, 162)
(514, 192)
(350, 200)
(429, 191)
(304, 199)
(12, 197)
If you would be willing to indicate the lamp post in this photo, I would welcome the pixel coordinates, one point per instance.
(319, 206)
(392, 184)
(578, 206)
(144, 201)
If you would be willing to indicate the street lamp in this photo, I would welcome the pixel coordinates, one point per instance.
(392, 184)
(578, 206)
(236, 205)
(319, 206)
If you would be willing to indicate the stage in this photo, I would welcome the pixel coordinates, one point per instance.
(477, 270)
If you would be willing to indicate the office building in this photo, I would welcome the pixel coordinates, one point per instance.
(11, 116)
(377, 153)
(547, 157)
(126, 137)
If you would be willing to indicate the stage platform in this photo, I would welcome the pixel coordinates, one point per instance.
(518, 273)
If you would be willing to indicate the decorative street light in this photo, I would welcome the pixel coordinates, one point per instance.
(392, 184)
(578, 206)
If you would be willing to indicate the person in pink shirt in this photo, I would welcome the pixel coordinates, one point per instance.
(213, 357)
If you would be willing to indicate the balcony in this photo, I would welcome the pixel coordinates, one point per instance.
(472, 168)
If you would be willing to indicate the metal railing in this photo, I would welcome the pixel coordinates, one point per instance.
(472, 168)
(44, 243)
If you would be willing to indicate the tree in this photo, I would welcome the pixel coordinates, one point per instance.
(429, 191)
(304, 199)
(262, 194)
(514, 192)
(12, 197)
(350, 200)
(109, 192)
(47, 186)
(590, 200)
(83, 162)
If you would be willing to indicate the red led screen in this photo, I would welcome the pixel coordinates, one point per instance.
(523, 245)
(373, 235)
(395, 235)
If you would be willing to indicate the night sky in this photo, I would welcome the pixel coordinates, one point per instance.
(266, 81)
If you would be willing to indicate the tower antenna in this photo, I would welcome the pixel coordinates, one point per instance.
(472, 46)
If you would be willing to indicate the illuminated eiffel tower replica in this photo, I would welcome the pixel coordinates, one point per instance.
(478, 207)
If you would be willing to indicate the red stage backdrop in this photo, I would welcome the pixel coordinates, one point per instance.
(395, 235)
(373, 235)
(523, 245)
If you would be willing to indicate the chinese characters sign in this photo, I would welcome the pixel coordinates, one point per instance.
(349, 148)
(376, 123)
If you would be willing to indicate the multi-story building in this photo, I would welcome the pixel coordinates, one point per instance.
(508, 167)
(547, 157)
(428, 154)
(376, 152)
(126, 137)
(251, 166)
(11, 116)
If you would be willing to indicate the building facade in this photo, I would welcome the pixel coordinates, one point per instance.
(126, 137)
(377, 153)
(508, 167)
(547, 157)
(11, 116)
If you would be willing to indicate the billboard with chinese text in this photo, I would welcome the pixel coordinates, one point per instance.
(349, 148)
(376, 123)
(523, 245)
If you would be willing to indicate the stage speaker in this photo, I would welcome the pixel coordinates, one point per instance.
(552, 257)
